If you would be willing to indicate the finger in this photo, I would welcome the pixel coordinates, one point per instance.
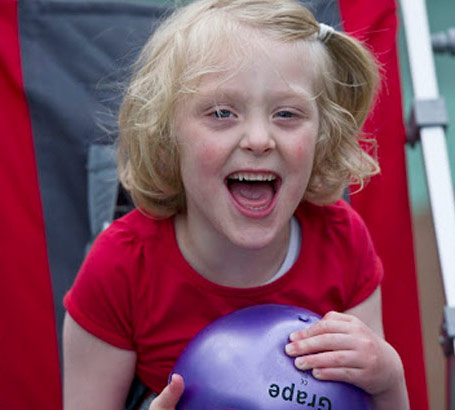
(321, 327)
(349, 375)
(320, 343)
(333, 315)
(338, 359)
(170, 396)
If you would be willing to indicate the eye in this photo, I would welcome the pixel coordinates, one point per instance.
(222, 113)
(285, 114)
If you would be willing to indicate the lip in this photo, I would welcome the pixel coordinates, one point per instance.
(256, 213)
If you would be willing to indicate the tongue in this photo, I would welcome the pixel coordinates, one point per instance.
(252, 194)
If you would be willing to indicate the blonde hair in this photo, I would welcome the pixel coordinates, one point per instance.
(185, 47)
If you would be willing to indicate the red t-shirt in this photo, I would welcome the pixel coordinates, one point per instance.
(136, 291)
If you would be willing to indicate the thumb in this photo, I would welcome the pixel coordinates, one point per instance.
(170, 396)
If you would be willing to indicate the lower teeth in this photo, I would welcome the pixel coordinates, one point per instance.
(253, 208)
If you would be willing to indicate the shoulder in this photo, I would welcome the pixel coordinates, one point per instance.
(338, 218)
(337, 235)
(124, 241)
(103, 296)
(137, 225)
(133, 229)
(338, 230)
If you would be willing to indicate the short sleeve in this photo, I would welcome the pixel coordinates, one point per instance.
(100, 300)
(368, 270)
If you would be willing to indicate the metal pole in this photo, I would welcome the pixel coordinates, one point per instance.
(436, 160)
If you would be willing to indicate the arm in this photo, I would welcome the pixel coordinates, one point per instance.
(370, 312)
(97, 375)
(342, 347)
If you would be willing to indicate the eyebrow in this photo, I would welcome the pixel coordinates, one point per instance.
(220, 93)
(229, 94)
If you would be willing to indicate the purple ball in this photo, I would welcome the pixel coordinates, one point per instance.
(238, 363)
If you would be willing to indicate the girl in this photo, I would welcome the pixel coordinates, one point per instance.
(238, 134)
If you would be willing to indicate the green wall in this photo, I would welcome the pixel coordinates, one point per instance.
(441, 16)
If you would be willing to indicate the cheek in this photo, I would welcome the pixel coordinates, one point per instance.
(303, 155)
(209, 156)
(212, 157)
(202, 158)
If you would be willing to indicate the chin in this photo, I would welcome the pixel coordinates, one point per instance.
(254, 241)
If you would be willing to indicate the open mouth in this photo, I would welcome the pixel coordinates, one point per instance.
(253, 191)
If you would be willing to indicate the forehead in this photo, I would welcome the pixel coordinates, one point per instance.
(275, 66)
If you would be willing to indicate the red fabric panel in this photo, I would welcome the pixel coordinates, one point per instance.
(384, 204)
(29, 368)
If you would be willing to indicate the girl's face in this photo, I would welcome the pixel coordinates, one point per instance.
(247, 142)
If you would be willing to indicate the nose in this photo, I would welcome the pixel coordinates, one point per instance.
(258, 137)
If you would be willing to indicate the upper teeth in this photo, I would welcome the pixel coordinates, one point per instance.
(244, 176)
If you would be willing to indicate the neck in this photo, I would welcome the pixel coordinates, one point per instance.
(224, 263)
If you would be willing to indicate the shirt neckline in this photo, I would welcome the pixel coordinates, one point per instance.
(186, 270)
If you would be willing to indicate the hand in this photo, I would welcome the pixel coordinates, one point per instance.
(341, 347)
(169, 397)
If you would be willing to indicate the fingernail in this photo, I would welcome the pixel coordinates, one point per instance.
(316, 373)
(293, 337)
(170, 378)
(300, 363)
(290, 348)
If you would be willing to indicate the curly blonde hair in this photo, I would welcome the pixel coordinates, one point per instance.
(185, 47)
